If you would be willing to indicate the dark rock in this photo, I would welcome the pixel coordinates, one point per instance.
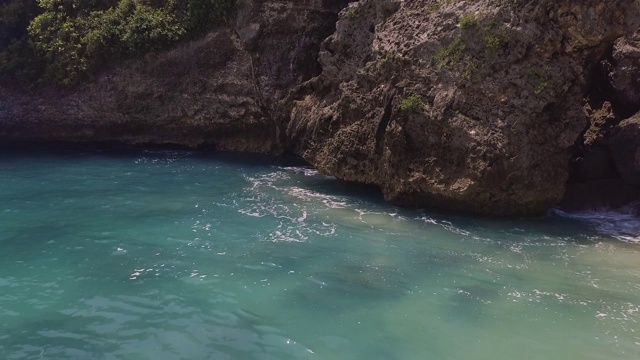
(625, 147)
(596, 164)
(625, 75)
(599, 195)
(592, 159)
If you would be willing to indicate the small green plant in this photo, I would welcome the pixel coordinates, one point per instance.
(412, 103)
(495, 39)
(351, 13)
(389, 57)
(469, 20)
(450, 54)
(65, 41)
(472, 66)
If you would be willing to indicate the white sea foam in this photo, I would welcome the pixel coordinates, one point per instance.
(329, 201)
(307, 171)
(275, 196)
(447, 225)
(619, 225)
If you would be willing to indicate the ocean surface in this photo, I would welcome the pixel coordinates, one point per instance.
(156, 254)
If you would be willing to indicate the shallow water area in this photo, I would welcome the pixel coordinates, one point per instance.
(155, 254)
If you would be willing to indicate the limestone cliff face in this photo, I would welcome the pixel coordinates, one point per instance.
(605, 167)
(218, 91)
(462, 105)
(624, 70)
(624, 140)
(468, 105)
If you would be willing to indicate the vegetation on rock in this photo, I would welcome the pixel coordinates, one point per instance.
(412, 103)
(450, 54)
(67, 40)
(351, 13)
(468, 20)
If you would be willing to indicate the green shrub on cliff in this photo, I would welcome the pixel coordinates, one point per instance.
(351, 13)
(450, 54)
(73, 38)
(15, 52)
(14, 19)
(468, 20)
(412, 103)
(201, 14)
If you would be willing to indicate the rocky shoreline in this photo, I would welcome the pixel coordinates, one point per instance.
(492, 107)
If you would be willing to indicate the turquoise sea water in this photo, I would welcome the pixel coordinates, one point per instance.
(147, 254)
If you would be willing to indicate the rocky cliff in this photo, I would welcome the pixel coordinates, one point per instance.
(218, 91)
(605, 166)
(465, 105)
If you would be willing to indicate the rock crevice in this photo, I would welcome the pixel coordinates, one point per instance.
(604, 170)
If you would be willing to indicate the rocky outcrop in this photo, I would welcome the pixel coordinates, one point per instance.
(592, 158)
(625, 148)
(198, 93)
(604, 169)
(217, 91)
(461, 105)
(625, 70)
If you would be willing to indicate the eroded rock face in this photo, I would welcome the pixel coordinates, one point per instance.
(197, 93)
(592, 158)
(462, 105)
(625, 147)
(466, 105)
(625, 74)
(607, 175)
(604, 173)
(219, 91)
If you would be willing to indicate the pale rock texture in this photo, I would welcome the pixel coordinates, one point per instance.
(625, 75)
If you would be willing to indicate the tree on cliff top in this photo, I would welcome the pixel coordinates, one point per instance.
(72, 39)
